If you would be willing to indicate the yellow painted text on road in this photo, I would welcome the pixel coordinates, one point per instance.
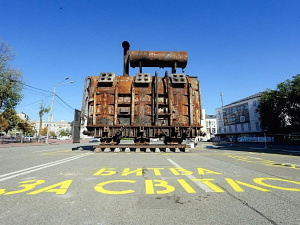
(156, 171)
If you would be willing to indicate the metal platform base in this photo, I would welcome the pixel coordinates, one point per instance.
(140, 148)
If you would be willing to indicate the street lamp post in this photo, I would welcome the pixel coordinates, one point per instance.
(50, 114)
(265, 139)
(221, 94)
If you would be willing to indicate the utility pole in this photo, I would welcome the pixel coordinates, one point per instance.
(51, 109)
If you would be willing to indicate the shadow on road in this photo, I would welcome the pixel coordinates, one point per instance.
(84, 148)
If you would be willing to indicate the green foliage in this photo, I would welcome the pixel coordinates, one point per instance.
(294, 109)
(10, 79)
(10, 119)
(42, 111)
(64, 132)
(280, 109)
(24, 126)
(44, 131)
(52, 133)
(3, 123)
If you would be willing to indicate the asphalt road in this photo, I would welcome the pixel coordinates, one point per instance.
(234, 185)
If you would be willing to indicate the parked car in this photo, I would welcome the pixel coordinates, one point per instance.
(95, 140)
(64, 138)
(27, 138)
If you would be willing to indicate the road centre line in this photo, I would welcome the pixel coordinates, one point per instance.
(50, 150)
(39, 167)
(199, 183)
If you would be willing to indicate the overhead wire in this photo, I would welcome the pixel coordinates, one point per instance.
(66, 108)
(38, 89)
(21, 82)
(33, 102)
(64, 102)
(33, 92)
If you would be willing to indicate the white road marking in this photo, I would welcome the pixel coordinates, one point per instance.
(39, 167)
(199, 183)
(50, 150)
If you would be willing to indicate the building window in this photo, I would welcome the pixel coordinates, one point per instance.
(230, 129)
(235, 128)
(257, 125)
(213, 130)
(249, 126)
(224, 129)
(220, 130)
(254, 103)
(242, 127)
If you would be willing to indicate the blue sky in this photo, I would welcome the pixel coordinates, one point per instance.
(237, 47)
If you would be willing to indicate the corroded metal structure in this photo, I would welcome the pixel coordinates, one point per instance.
(143, 106)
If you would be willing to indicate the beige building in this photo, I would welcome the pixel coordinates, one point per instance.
(54, 126)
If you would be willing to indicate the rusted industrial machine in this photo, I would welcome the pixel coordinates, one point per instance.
(143, 106)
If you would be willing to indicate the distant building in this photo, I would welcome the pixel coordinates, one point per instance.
(54, 126)
(23, 116)
(82, 128)
(239, 121)
(209, 125)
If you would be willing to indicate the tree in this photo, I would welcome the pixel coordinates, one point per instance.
(42, 111)
(9, 119)
(63, 132)
(68, 131)
(24, 126)
(52, 133)
(44, 131)
(10, 79)
(3, 123)
(294, 109)
(280, 109)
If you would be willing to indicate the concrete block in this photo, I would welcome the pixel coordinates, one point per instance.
(127, 149)
(107, 150)
(117, 150)
(97, 150)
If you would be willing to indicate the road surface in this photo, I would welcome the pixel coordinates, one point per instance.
(53, 184)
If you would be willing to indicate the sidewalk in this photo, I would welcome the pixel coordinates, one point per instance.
(51, 142)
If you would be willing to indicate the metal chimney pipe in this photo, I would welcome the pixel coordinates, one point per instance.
(126, 46)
